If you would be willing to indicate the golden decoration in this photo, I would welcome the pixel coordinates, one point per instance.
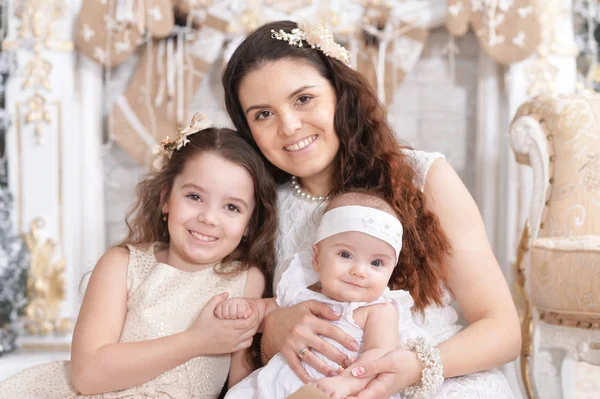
(38, 113)
(45, 285)
(37, 74)
(525, 313)
(37, 32)
(250, 19)
(330, 18)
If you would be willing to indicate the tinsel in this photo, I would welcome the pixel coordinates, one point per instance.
(14, 263)
(586, 16)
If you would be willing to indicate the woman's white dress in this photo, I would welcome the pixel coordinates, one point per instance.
(298, 225)
(277, 380)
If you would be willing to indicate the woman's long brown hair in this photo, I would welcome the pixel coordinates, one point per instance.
(369, 156)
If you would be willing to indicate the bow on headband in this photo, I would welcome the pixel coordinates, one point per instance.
(165, 149)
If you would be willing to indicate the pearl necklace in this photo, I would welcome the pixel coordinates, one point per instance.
(303, 194)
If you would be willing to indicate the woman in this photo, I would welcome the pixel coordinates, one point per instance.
(322, 130)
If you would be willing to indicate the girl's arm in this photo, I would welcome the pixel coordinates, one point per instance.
(100, 363)
(475, 279)
(253, 291)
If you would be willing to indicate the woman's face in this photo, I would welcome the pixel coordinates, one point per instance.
(290, 108)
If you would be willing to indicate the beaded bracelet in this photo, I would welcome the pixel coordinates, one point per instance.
(432, 376)
(262, 350)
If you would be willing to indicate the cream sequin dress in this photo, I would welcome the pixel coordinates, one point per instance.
(161, 301)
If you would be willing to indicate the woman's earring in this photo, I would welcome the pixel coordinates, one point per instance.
(244, 239)
(165, 217)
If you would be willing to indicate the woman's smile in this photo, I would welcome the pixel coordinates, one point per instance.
(301, 144)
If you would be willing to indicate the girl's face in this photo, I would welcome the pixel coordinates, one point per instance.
(290, 108)
(209, 208)
(353, 266)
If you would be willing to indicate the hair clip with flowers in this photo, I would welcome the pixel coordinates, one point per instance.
(165, 149)
(318, 36)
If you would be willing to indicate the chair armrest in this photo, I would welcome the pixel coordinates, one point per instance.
(529, 144)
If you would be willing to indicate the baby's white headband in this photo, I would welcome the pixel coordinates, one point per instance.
(371, 221)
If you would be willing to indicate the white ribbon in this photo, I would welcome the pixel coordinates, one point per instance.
(371, 221)
(160, 62)
(384, 37)
(170, 77)
(124, 12)
(180, 66)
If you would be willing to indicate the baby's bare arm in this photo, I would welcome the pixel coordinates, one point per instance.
(379, 339)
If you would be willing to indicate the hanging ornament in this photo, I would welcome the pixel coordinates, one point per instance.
(156, 102)
(508, 30)
(388, 49)
(109, 31)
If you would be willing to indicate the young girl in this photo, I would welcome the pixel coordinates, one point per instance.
(356, 251)
(203, 228)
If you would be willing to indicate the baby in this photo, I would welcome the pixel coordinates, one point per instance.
(355, 253)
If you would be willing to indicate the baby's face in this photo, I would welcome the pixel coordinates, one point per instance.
(354, 266)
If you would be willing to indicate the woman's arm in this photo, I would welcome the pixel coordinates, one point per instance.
(290, 329)
(100, 363)
(475, 279)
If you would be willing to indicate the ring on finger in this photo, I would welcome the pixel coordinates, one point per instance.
(303, 352)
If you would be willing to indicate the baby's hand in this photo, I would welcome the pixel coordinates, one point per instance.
(233, 309)
(334, 387)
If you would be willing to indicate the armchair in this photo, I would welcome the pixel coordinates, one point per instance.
(558, 260)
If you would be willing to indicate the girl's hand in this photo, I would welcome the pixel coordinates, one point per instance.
(234, 309)
(393, 373)
(294, 328)
(209, 335)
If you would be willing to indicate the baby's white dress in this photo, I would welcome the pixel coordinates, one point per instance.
(277, 380)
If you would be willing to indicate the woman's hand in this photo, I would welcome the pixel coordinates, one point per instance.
(393, 373)
(209, 335)
(291, 329)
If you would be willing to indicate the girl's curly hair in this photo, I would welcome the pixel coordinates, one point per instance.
(258, 249)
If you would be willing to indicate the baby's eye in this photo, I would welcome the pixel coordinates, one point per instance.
(377, 263)
(304, 99)
(194, 197)
(262, 115)
(345, 255)
(232, 208)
